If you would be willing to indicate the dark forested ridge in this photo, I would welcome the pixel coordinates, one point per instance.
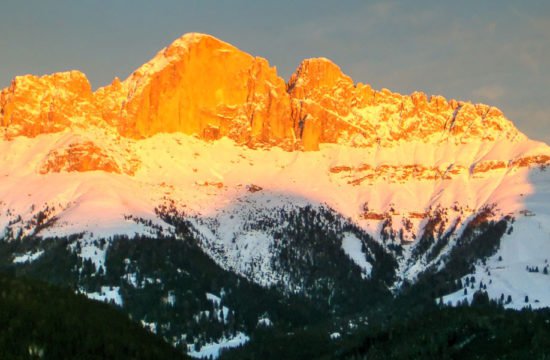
(480, 331)
(40, 321)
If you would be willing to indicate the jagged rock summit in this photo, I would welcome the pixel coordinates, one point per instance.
(203, 86)
(33, 105)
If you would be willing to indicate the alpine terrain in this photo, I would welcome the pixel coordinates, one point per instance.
(225, 208)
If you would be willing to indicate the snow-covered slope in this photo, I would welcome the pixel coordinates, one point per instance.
(221, 186)
(518, 272)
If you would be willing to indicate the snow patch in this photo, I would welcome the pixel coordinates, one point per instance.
(152, 327)
(214, 349)
(28, 257)
(265, 321)
(107, 294)
(353, 248)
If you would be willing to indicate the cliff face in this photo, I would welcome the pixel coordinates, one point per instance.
(79, 157)
(330, 108)
(323, 103)
(34, 105)
(203, 86)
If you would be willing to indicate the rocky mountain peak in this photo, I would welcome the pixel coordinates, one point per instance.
(317, 73)
(203, 86)
(33, 105)
(200, 85)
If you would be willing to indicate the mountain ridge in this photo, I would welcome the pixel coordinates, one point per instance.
(200, 85)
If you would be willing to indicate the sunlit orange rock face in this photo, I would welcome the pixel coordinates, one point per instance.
(402, 173)
(84, 156)
(202, 86)
(34, 105)
(329, 108)
(323, 99)
(79, 157)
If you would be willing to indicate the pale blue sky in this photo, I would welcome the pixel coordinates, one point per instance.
(496, 52)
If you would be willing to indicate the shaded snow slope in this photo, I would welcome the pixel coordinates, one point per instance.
(517, 270)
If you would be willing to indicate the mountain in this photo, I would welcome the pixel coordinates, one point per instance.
(317, 193)
(202, 86)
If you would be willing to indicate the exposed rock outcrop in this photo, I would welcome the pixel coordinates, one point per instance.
(329, 108)
(86, 156)
(323, 100)
(34, 105)
(201, 85)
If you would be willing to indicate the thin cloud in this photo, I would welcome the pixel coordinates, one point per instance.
(534, 122)
(489, 92)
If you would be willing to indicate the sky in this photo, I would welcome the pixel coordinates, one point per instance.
(490, 51)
